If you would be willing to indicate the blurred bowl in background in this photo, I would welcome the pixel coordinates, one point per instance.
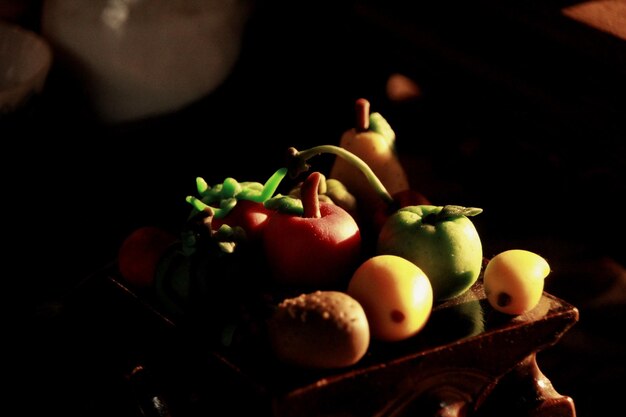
(138, 59)
(25, 61)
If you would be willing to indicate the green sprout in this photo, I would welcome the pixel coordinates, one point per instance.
(219, 200)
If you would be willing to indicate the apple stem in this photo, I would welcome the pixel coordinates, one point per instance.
(309, 196)
(298, 164)
(362, 110)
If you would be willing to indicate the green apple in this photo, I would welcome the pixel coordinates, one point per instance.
(441, 240)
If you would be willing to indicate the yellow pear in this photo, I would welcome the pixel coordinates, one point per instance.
(373, 140)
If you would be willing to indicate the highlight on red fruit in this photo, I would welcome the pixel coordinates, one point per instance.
(249, 215)
(140, 253)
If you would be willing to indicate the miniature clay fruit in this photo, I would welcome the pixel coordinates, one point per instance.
(514, 280)
(317, 249)
(140, 253)
(322, 329)
(442, 241)
(396, 295)
(372, 140)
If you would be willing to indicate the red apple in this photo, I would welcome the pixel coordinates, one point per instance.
(318, 249)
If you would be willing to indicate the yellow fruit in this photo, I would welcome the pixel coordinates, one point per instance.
(374, 143)
(514, 280)
(396, 295)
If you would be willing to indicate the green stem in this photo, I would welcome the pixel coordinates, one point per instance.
(305, 155)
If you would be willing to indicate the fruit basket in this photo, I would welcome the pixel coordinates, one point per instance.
(347, 295)
(468, 360)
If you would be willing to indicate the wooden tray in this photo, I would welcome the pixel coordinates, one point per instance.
(468, 360)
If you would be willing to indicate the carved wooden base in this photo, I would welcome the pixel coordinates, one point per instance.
(526, 391)
(470, 361)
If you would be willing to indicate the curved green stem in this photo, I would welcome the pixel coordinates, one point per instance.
(305, 155)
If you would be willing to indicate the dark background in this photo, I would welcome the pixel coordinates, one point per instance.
(521, 112)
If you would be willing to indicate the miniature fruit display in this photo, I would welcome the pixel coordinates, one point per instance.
(319, 268)
(514, 280)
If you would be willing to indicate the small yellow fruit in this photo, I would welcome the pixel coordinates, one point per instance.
(514, 280)
(373, 140)
(396, 295)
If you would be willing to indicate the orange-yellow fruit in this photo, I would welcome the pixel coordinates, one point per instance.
(514, 280)
(396, 295)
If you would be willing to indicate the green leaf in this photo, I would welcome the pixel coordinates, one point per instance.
(457, 211)
(285, 204)
(379, 125)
